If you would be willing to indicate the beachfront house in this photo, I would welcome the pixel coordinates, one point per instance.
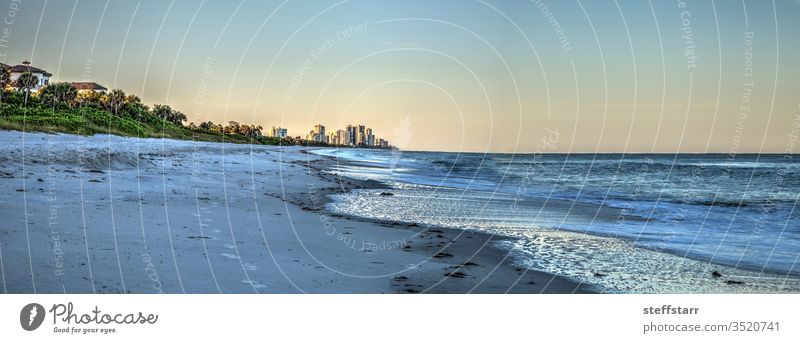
(88, 86)
(17, 70)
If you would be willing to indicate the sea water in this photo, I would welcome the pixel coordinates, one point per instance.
(624, 222)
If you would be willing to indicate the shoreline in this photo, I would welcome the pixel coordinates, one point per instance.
(110, 214)
(495, 271)
(649, 270)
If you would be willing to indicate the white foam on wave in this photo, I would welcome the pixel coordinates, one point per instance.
(614, 265)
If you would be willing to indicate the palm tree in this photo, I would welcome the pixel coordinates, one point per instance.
(90, 97)
(133, 107)
(177, 118)
(232, 128)
(133, 99)
(162, 111)
(58, 93)
(25, 83)
(114, 100)
(168, 114)
(5, 79)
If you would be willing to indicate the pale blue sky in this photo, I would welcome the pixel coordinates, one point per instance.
(462, 74)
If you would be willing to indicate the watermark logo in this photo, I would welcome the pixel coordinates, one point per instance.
(31, 316)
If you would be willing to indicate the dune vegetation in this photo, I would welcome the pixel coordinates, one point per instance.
(59, 107)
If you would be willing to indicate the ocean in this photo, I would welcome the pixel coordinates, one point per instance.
(627, 223)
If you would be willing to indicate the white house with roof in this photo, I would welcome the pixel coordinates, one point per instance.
(16, 71)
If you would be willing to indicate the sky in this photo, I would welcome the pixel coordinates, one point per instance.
(447, 75)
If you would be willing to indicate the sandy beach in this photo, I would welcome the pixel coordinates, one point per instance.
(108, 214)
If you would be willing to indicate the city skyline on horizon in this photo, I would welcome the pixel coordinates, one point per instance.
(495, 77)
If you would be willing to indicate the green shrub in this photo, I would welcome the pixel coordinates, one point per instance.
(91, 118)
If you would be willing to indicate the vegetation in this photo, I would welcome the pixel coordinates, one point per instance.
(58, 93)
(5, 79)
(59, 107)
(25, 83)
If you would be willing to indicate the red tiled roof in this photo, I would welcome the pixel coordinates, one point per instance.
(89, 86)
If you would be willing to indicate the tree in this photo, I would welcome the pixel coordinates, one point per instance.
(177, 118)
(135, 110)
(251, 131)
(133, 107)
(162, 111)
(232, 128)
(5, 79)
(87, 98)
(133, 99)
(58, 93)
(210, 126)
(25, 83)
(114, 100)
(167, 113)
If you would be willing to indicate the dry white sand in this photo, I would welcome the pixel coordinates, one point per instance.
(108, 214)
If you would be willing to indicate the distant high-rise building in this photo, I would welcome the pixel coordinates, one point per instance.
(351, 135)
(278, 132)
(319, 133)
(369, 138)
(331, 138)
(340, 137)
(361, 136)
